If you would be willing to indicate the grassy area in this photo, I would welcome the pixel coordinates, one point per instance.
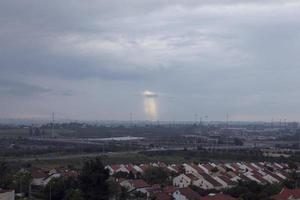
(118, 158)
(24, 132)
(168, 157)
(14, 133)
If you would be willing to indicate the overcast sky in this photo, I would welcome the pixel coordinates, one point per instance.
(93, 60)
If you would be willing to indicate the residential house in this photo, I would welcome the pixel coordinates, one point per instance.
(42, 178)
(137, 185)
(218, 197)
(183, 180)
(186, 194)
(288, 194)
(7, 194)
(113, 169)
(162, 196)
(190, 169)
(207, 182)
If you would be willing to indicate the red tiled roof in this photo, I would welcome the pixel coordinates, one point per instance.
(230, 174)
(250, 166)
(144, 167)
(162, 164)
(189, 193)
(192, 177)
(154, 189)
(169, 189)
(259, 177)
(287, 194)
(218, 197)
(199, 169)
(211, 180)
(115, 167)
(39, 174)
(68, 173)
(235, 166)
(208, 166)
(177, 167)
(129, 167)
(162, 196)
(222, 166)
(260, 165)
(244, 178)
(275, 176)
(139, 183)
(227, 180)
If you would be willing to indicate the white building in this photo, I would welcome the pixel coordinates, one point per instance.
(207, 182)
(7, 194)
(191, 169)
(135, 185)
(44, 180)
(116, 168)
(182, 181)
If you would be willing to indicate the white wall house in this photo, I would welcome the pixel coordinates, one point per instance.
(182, 181)
(270, 179)
(221, 181)
(178, 196)
(203, 184)
(185, 194)
(204, 168)
(172, 168)
(7, 194)
(43, 181)
(207, 182)
(189, 169)
(116, 168)
(138, 169)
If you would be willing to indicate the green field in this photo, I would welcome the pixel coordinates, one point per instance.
(14, 133)
(116, 158)
(24, 132)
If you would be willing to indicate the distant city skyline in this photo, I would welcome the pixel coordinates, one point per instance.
(150, 60)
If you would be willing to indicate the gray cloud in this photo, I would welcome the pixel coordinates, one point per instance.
(205, 56)
(16, 88)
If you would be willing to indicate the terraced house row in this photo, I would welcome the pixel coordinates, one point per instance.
(205, 176)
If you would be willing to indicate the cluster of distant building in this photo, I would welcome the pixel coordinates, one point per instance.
(207, 176)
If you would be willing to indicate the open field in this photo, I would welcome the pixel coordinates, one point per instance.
(76, 160)
(25, 132)
(14, 133)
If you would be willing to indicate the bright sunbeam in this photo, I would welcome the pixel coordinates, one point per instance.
(150, 105)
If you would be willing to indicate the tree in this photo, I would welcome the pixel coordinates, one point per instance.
(214, 170)
(21, 182)
(74, 194)
(124, 194)
(156, 175)
(93, 180)
(253, 191)
(5, 175)
(131, 175)
(292, 165)
(121, 174)
(114, 189)
(58, 187)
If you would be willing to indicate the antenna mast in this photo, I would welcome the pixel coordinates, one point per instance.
(52, 125)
